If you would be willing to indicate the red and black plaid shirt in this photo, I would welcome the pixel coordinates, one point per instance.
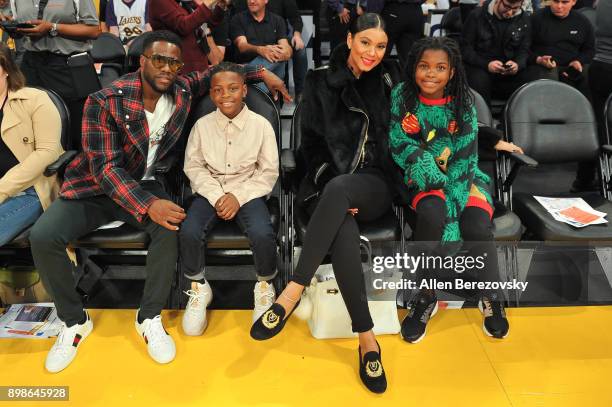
(116, 139)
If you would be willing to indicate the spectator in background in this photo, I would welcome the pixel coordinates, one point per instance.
(288, 10)
(102, 15)
(562, 45)
(218, 40)
(14, 44)
(495, 43)
(127, 19)
(600, 84)
(185, 18)
(340, 14)
(405, 23)
(466, 7)
(61, 31)
(261, 38)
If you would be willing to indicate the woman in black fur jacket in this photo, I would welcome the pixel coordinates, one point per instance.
(349, 176)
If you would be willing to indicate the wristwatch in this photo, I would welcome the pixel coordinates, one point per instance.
(53, 31)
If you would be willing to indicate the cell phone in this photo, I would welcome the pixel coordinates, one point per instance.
(507, 67)
(12, 26)
(573, 74)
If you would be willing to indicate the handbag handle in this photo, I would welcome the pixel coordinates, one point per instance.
(365, 243)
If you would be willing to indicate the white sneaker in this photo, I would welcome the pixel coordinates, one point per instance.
(264, 298)
(159, 342)
(194, 318)
(65, 347)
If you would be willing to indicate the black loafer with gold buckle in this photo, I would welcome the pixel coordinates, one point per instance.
(271, 322)
(371, 371)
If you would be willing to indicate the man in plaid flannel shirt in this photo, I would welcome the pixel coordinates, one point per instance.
(127, 128)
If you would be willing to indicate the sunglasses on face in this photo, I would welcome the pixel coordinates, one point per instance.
(159, 61)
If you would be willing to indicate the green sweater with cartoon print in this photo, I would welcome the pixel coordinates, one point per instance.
(436, 155)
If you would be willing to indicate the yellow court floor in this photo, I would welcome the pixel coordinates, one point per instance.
(552, 357)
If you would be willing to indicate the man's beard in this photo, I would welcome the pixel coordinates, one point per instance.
(151, 83)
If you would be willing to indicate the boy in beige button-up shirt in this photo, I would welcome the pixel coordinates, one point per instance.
(231, 161)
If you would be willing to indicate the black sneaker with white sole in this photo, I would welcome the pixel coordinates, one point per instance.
(422, 307)
(495, 323)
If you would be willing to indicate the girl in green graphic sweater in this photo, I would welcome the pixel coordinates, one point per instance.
(433, 138)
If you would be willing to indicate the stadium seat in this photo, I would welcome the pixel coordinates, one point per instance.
(506, 225)
(606, 162)
(108, 54)
(589, 13)
(451, 24)
(554, 133)
(132, 62)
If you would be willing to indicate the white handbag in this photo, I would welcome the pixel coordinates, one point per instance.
(323, 308)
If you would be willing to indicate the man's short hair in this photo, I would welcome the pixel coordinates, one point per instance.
(228, 67)
(161, 36)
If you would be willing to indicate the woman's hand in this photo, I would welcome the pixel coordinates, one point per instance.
(510, 147)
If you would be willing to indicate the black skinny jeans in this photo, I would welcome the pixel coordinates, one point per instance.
(476, 231)
(333, 229)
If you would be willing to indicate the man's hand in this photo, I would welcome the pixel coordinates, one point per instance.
(42, 29)
(345, 16)
(496, 66)
(5, 17)
(359, 10)
(282, 51)
(353, 211)
(546, 61)
(163, 212)
(275, 85)
(268, 52)
(513, 68)
(227, 206)
(296, 41)
(576, 65)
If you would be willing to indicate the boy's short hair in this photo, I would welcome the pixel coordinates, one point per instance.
(228, 67)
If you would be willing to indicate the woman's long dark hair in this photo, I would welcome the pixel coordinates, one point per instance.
(15, 79)
(457, 86)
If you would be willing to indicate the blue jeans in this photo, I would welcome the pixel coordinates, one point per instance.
(17, 213)
(277, 68)
(253, 219)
